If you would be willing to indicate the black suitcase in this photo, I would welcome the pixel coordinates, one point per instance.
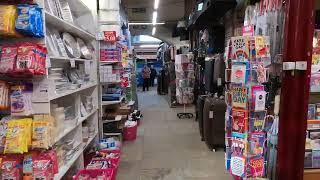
(214, 122)
(199, 114)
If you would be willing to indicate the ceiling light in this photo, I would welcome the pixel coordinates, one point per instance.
(146, 23)
(149, 46)
(156, 4)
(154, 17)
(153, 31)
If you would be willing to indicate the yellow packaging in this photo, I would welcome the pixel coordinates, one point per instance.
(8, 16)
(18, 136)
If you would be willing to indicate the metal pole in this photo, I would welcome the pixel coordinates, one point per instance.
(295, 89)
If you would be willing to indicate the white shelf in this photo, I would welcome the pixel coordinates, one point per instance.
(64, 169)
(109, 121)
(83, 87)
(107, 103)
(115, 82)
(68, 130)
(108, 62)
(68, 59)
(87, 116)
(90, 140)
(62, 25)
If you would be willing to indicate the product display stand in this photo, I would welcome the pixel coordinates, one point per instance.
(246, 126)
(184, 68)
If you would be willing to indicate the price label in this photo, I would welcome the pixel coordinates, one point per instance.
(72, 63)
(110, 36)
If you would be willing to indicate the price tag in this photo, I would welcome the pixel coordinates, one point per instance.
(72, 63)
(48, 62)
(99, 36)
(211, 114)
(110, 36)
(219, 82)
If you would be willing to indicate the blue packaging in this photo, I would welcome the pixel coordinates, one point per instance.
(29, 20)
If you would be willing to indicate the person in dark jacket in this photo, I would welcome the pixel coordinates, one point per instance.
(153, 75)
(146, 77)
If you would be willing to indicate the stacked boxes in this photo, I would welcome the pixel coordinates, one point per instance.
(107, 74)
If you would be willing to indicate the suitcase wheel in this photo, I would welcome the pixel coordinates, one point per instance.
(185, 115)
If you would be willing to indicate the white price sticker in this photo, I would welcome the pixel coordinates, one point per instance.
(211, 114)
(72, 63)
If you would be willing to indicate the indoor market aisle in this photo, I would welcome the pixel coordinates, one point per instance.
(168, 148)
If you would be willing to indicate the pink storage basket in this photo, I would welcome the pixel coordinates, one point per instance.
(106, 174)
(130, 133)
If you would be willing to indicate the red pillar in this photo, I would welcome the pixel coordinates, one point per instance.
(295, 89)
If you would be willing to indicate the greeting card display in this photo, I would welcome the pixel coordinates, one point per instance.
(239, 121)
(256, 143)
(247, 64)
(256, 167)
(240, 48)
(239, 97)
(239, 73)
(257, 121)
(238, 166)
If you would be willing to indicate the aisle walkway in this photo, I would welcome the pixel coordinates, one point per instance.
(168, 148)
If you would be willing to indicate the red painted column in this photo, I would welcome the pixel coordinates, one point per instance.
(295, 89)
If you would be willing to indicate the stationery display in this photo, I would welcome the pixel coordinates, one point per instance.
(246, 112)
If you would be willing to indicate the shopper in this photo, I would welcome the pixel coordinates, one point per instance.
(146, 72)
(153, 75)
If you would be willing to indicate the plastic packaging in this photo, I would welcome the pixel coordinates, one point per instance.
(8, 15)
(29, 21)
(8, 58)
(11, 167)
(21, 100)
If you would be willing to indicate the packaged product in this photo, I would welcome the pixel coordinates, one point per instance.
(4, 95)
(8, 58)
(18, 136)
(3, 131)
(8, 15)
(29, 20)
(11, 167)
(40, 135)
(21, 103)
(31, 59)
(42, 167)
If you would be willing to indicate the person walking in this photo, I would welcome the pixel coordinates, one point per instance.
(146, 72)
(153, 75)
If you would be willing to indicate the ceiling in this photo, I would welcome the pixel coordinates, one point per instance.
(169, 11)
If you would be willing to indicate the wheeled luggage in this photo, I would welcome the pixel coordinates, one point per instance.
(199, 114)
(214, 122)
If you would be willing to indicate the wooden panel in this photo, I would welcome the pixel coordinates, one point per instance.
(311, 174)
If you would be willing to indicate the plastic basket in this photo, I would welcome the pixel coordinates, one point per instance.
(130, 133)
(102, 174)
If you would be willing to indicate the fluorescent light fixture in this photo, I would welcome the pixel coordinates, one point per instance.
(149, 46)
(146, 23)
(156, 4)
(200, 6)
(154, 17)
(153, 31)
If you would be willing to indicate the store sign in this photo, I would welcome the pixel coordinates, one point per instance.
(110, 36)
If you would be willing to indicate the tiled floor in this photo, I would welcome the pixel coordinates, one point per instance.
(168, 148)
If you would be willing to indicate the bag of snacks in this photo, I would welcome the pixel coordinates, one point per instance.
(11, 167)
(8, 15)
(21, 100)
(18, 136)
(8, 58)
(42, 167)
(4, 95)
(31, 59)
(29, 20)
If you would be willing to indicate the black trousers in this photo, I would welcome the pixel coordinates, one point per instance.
(152, 81)
(146, 83)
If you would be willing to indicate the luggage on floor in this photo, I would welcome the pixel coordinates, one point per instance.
(208, 71)
(214, 122)
(199, 113)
